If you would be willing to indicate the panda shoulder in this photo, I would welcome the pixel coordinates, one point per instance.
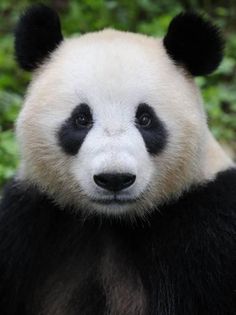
(210, 199)
(221, 190)
(24, 212)
(19, 197)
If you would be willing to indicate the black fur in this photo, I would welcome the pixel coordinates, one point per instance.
(185, 257)
(70, 135)
(194, 43)
(155, 136)
(37, 33)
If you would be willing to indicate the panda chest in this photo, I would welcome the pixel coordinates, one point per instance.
(94, 283)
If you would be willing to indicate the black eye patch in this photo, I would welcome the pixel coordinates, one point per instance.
(152, 129)
(74, 130)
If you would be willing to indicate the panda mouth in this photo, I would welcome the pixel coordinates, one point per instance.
(112, 201)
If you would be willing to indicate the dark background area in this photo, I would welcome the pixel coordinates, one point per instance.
(145, 16)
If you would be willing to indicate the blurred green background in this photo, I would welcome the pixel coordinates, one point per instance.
(145, 16)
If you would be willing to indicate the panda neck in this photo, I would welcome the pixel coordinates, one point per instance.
(215, 159)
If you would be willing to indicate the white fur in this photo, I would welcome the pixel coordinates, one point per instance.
(113, 72)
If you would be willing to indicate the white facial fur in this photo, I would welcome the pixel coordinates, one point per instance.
(113, 72)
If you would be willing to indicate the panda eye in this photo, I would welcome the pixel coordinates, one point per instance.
(83, 117)
(83, 120)
(144, 120)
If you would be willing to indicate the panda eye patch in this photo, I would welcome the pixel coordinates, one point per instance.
(74, 130)
(151, 128)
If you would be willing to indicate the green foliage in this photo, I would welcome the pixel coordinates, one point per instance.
(146, 16)
(10, 105)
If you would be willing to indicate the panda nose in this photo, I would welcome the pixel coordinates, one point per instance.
(114, 181)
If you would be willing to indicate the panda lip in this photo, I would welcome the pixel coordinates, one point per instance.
(114, 200)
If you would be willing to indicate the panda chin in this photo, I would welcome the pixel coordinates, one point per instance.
(112, 206)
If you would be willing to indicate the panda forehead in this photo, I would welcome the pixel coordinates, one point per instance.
(110, 60)
(111, 47)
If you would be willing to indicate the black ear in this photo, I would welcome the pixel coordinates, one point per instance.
(37, 33)
(195, 43)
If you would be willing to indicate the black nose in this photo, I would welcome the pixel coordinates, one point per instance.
(114, 182)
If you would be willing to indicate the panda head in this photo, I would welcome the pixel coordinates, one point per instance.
(112, 121)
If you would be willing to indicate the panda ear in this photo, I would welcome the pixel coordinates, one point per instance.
(37, 33)
(195, 43)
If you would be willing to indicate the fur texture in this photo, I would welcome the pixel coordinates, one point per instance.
(182, 262)
(195, 43)
(37, 34)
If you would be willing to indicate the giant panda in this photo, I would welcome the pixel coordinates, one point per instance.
(124, 203)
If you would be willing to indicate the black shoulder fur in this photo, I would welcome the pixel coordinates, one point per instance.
(183, 262)
(195, 43)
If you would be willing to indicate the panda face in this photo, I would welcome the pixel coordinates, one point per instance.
(111, 125)
(112, 146)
